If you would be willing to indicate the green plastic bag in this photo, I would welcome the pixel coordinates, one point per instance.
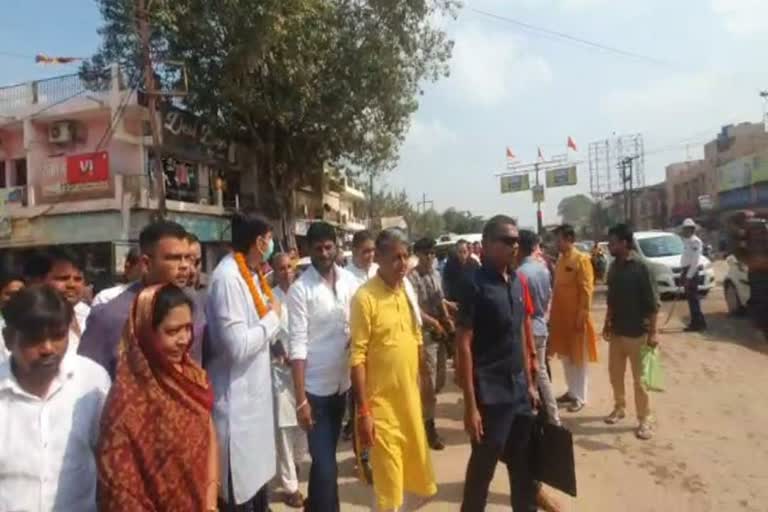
(653, 374)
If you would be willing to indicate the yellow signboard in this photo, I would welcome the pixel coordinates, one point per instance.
(562, 177)
(515, 183)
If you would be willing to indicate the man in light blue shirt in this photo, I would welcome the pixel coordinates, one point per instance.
(540, 288)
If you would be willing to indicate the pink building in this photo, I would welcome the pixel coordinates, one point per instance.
(75, 162)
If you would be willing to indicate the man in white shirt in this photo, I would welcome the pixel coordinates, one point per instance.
(362, 265)
(63, 270)
(242, 323)
(690, 262)
(318, 316)
(50, 406)
(132, 272)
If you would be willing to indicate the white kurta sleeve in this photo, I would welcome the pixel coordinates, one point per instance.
(229, 315)
(298, 321)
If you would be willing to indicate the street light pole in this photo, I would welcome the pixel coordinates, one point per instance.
(539, 214)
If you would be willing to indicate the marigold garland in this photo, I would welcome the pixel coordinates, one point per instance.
(246, 274)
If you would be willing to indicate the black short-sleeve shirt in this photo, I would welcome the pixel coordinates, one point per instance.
(494, 309)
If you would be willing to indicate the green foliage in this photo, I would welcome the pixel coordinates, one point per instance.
(428, 224)
(298, 82)
(462, 222)
(575, 210)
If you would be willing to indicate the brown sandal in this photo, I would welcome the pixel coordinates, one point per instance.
(295, 500)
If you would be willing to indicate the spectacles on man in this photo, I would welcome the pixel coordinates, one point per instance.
(509, 241)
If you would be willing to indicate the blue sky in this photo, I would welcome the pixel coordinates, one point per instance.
(512, 88)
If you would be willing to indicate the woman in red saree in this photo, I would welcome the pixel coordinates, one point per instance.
(157, 450)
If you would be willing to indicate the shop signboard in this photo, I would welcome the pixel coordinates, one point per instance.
(75, 178)
(760, 168)
(8, 196)
(735, 174)
(736, 198)
(705, 202)
(515, 183)
(562, 177)
(186, 135)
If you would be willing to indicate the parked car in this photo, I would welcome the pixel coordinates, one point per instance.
(736, 286)
(662, 251)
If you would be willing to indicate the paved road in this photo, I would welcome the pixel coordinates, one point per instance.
(710, 452)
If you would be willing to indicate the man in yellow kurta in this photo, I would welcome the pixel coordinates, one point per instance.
(386, 342)
(571, 332)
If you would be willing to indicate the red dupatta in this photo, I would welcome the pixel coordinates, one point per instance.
(157, 450)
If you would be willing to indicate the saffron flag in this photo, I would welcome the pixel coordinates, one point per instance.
(44, 59)
(572, 144)
(510, 154)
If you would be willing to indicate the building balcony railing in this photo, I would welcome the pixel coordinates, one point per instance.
(49, 91)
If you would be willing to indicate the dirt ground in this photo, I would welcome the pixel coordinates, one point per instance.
(710, 452)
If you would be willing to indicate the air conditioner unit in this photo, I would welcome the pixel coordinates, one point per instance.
(61, 132)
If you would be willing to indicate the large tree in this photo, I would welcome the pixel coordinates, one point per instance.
(462, 222)
(298, 82)
(575, 210)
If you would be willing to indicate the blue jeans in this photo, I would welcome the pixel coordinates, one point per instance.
(328, 414)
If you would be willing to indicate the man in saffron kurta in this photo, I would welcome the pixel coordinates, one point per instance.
(571, 332)
(386, 340)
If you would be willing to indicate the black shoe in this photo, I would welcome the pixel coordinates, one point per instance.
(433, 438)
(695, 328)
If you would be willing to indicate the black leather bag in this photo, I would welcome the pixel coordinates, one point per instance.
(552, 460)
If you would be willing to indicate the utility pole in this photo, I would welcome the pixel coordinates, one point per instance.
(627, 180)
(423, 204)
(539, 214)
(142, 25)
(370, 200)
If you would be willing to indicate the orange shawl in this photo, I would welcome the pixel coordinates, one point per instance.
(157, 449)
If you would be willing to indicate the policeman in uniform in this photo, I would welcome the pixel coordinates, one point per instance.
(690, 262)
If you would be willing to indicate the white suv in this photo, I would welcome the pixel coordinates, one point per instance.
(663, 250)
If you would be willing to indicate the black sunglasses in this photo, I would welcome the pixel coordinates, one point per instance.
(509, 241)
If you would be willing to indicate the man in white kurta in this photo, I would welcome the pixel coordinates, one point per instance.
(238, 363)
(291, 439)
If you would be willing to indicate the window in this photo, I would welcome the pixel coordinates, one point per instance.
(659, 246)
(20, 167)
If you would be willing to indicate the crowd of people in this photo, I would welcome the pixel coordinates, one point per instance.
(166, 395)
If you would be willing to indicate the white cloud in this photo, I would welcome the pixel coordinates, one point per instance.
(489, 67)
(744, 18)
(424, 138)
(682, 104)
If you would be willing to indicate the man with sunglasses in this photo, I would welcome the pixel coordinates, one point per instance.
(497, 363)
(434, 315)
